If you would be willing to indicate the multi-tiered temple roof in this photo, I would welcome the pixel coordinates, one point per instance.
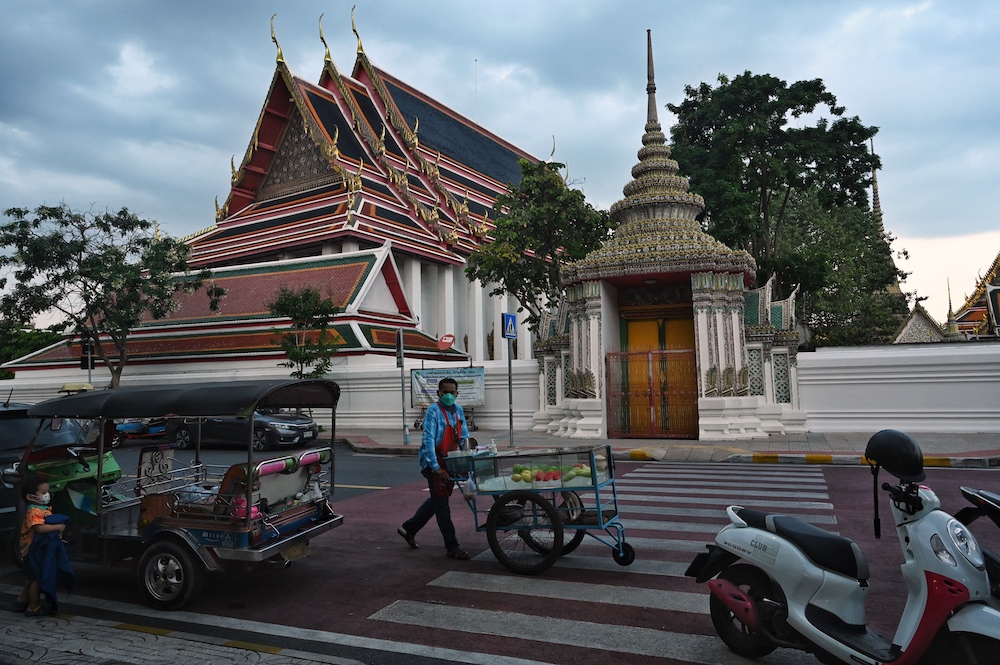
(365, 158)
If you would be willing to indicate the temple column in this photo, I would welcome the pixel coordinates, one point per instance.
(413, 283)
(477, 324)
(499, 343)
(446, 280)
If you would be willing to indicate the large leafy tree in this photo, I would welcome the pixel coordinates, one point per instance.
(98, 274)
(751, 143)
(16, 342)
(309, 344)
(842, 260)
(541, 224)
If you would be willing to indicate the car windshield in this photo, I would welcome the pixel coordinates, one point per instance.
(16, 432)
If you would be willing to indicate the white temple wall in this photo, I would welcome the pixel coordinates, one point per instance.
(918, 388)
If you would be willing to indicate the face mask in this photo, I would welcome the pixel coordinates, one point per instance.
(42, 499)
(448, 399)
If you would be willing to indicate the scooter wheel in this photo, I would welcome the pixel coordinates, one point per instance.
(737, 636)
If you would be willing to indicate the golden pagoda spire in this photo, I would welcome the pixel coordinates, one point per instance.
(326, 56)
(281, 56)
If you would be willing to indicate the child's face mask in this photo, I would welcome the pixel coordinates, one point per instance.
(42, 499)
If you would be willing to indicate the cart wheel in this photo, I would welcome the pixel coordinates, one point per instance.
(524, 532)
(625, 557)
(570, 507)
(170, 576)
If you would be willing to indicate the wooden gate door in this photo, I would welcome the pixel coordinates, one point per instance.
(653, 385)
(652, 394)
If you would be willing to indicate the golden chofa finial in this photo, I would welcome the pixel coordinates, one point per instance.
(354, 28)
(326, 57)
(232, 167)
(281, 56)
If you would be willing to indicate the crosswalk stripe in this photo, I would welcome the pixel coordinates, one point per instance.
(677, 485)
(616, 639)
(713, 491)
(629, 509)
(726, 501)
(602, 594)
(733, 477)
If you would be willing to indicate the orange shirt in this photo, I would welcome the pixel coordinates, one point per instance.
(35, 515)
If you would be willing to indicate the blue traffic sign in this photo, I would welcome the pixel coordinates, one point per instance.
(509, 326)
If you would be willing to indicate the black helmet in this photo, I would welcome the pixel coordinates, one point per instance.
(898, 454)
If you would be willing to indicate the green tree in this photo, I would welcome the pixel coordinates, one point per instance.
(16, 342)
(100, 275)
(748, 148)
(310, 343)
(541, 224)
(843, 262)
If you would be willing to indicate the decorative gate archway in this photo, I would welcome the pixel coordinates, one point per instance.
(652, 394)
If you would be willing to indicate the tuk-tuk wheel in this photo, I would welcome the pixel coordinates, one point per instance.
(170, 575)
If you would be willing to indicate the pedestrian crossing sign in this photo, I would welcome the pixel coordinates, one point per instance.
(509, 326)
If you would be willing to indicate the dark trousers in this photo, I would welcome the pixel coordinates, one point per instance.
(434, 506)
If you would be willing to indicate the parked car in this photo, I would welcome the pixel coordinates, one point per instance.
(16, 430)
(271, 429)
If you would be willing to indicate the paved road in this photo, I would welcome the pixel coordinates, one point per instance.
(419, 606)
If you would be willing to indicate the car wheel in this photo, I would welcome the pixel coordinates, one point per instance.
(261, 440)
(183, 438)
(170, 576)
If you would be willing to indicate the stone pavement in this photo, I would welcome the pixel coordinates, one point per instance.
(66, 639)
(940, 449)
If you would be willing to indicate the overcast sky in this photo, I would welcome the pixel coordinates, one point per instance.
(142, 104)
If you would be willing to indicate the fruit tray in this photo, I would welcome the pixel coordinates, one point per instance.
(550, 469)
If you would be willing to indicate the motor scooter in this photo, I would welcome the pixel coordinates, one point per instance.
(776, 581)
(984, 504)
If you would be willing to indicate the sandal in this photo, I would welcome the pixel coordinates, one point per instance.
(408, 537)
(459, 553)
(42, 611)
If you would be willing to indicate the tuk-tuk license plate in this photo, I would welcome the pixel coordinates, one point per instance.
(295, 552)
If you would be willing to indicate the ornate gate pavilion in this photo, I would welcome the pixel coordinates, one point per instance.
(652, 339)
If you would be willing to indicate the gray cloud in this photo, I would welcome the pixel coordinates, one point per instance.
(142, 104)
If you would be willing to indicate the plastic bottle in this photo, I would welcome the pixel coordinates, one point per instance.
(493, 446)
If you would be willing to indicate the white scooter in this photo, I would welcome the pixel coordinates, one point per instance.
(801, 587)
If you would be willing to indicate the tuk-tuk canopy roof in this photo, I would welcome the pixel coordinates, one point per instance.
(221, 398)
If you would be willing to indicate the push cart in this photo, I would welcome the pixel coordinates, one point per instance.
(537, 506)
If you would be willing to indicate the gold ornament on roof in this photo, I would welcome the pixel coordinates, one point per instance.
(354, 29)
(326, 56)
(232, 167)
(280, 57)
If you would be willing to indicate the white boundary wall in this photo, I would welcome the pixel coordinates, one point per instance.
(946, 387)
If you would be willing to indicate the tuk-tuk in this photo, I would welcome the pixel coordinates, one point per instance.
(179, 520)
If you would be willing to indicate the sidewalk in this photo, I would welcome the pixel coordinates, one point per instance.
(977, 450)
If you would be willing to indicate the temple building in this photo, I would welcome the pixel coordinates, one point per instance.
(359, 186)
(375, 194)
(658, 335)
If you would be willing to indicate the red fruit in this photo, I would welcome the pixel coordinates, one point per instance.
(549, 475)
(539, 476)
(578, 466)
(556, 475)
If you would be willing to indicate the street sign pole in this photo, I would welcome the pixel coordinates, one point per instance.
(510, 333)
(400, 357)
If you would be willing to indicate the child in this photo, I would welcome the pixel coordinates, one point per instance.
(36, 495)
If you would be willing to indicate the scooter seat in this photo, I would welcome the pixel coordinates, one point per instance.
(827, 550)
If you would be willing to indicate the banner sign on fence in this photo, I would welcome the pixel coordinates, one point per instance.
(471, 385)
